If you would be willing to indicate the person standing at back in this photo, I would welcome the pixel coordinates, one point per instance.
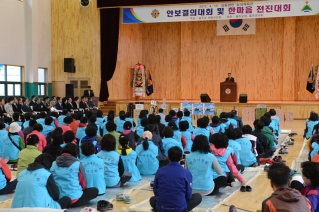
(88, 92)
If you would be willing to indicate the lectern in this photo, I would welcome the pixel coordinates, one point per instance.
(228, 91)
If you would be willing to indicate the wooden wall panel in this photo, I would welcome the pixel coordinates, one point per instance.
(307, 46)
(161, 55)
(76, 34)
(129, 53)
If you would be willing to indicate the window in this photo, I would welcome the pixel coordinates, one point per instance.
(42, 82)
(10, 80)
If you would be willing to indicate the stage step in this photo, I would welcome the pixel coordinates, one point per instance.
(107, 106)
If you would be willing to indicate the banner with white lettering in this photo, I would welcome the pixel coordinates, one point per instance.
(236, 27)
(219, 11)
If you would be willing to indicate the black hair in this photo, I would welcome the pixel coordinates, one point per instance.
(15, 116)
(145, 144)
(175, 154)
(76, 98)
(68, 120)
(43, 115)
(258, 124)
(10, 98)
(268, 115)
(92, 119)
(88, 114)
(231, 133)
(205, 121)
(144, 122)
(37, 127)
(201, 144)
(7, 120)
(160, 110)
(128, 114)
(168, 132)
(71, 149)
(311, 171)
(58, 98)
(186, 113)
(84, 120)
(54, 114)
(32, 122)
(124, 140)
(74, 116)
(90, 131)
(2, 125)
(110, 126)
(173, 125)
(272, 112)
(278, 174)
(48, 120)
(168, 118)
(68, 136)
(143, 114)
(172, 113)
(220, 140)
(58, 129)
(108, 142)
(122, 115)
(215, 119)
(266, 120)
(32, 140)
(158, 119)
(313, 117)
(99, 113)
(151, 119)
(239, 132)
(79, 115)
(149, 127)
(110, 117)
(234, 112)
(57, 137)
(65, 111)
(247, 129)
(44, 159)
(183, 125)
(87, 148)
(27, 116)
(127, 125)
(202, 123)
(179, 114)
(111, 112)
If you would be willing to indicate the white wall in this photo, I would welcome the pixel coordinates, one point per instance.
(25, 35)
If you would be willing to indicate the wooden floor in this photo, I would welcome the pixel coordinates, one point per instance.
(250, 201)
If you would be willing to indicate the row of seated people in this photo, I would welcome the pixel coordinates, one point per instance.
(10, 104)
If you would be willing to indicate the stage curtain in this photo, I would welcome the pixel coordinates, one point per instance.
(110, 21)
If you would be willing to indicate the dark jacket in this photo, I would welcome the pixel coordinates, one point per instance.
(261, 137)
(86, 93)
(58, 106)
(2, 110)
(231, 79)
(26, 108)
(286, 199)
(53, 149)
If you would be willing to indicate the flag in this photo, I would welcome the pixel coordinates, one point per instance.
(149, 90)
(236, 27)
(309, 86)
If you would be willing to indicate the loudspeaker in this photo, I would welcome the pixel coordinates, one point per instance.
(204, 97)
(69, 65)
(242, 98)
(69, 90)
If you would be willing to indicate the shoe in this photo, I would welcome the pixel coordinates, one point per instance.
(127, 199)
(292, 134)
(285, 146)
(104, 205)
(289, 142)
(243, 188)
(120, 197)
(266, 168)
(248, 189)
(14, 167)
(283, 151)
(151, 184)
(232, 208)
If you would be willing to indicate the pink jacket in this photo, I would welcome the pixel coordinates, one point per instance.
(42, 140)
(230, 163)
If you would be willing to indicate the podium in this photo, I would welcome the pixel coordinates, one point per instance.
(228, 91)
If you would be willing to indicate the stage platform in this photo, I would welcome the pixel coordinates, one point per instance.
(299, 109)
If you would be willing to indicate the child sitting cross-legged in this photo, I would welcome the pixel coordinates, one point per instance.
(310, 175)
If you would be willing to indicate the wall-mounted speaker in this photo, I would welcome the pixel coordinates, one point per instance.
(69, 90)
(243, 98)
(204, 97)
(69, 65)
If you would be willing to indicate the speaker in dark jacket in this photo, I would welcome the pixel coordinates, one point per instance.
(242, 98)
(69, 65)
(69, 90)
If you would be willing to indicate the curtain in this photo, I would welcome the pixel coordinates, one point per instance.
(110, 23)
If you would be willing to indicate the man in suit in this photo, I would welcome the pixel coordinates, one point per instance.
(76, 102)
(229, 78)
(25, 106)
(69, 105)
(58, 105)
(2, 110)
(45, 106)
(88, 92)
(15, 105)
(83, 105)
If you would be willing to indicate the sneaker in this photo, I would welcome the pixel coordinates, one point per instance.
(120, 197)
(283, 151)
(104, 205)
(127, 199)
(232, 208)
(266, 168)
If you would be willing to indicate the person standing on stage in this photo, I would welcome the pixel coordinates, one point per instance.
(229, 78)
(88, 92)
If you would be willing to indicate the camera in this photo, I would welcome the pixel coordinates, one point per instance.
(85, 3)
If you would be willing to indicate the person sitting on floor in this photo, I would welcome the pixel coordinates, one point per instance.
(310, 175)
(129, 157)
(54, 149)
(202, 172)
(6, 185)
(94, 168)
(37, 187)
(313, 120)
(247, 157)
(114, 175)
(173, 177)
(69, 174)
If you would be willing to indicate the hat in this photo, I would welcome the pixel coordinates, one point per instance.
(148, 134)
(14, 127)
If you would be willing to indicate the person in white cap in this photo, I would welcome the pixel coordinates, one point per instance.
(12, 143)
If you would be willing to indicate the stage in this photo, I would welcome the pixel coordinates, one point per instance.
(300, 109)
